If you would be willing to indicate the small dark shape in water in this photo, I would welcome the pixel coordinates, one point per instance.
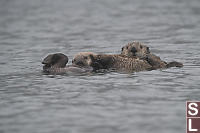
(56, 64)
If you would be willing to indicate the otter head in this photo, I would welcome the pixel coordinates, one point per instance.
(83, 59)
(87, 59)
(135, 49)
(57, 60)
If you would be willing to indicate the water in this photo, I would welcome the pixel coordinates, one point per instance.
(149, 101)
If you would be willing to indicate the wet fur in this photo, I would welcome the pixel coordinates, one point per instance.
(137, 49)
(56, 64)
(116, 62)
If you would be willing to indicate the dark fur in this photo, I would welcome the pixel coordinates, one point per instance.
(56, 64)
(53, 61)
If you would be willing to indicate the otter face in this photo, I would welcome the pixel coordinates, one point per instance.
(135, 49)
(55, 60)
(84, 59)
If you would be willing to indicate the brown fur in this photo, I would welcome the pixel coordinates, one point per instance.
(56, 64)
(137, 49)
(104, 61)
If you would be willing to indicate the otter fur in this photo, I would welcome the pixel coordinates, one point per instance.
(56, 64)
(105, 61)
(137, 49)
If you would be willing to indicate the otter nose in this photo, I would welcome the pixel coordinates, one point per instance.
(44, 62)
(133, 50)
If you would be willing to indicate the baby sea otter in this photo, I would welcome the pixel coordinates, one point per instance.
(56, 64)
(110, 61)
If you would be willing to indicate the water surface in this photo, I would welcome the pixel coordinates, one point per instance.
(149, 101)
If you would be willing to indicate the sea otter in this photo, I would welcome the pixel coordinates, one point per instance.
(137, 49)
(56, 64)
(107, 61)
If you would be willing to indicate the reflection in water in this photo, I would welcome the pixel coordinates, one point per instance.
(149, 101)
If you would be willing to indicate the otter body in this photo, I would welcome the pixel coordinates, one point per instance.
(122, 63)
(134, 57)
(68, 70)
(105, 61)
(56, 64)
(137, 49)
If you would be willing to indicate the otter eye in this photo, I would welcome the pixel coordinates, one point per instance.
(80, 63)
(122, 48)
(141, 47)
(127, 47)
(91, 57)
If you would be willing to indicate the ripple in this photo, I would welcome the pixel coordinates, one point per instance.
(31, 101)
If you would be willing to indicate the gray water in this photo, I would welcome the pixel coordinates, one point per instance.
(142, 102)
